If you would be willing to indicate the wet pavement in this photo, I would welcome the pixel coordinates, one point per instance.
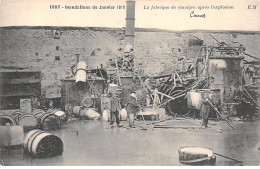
(95, 143)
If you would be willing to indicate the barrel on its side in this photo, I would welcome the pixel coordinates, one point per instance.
(77, 111)
(42, 144)
(47, 121)
(28, 121)
(87, 102)
(196, 156)
(4, 119)
(50, 121)
(90, 114)
(59, 113)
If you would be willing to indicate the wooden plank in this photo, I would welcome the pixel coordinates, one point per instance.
(178, 127)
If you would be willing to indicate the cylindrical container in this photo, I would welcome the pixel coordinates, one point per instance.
(123, 115)
(61, 114)
(28, 121)
(50, 121)
(105, 103)
(106, 115)
(194, 100)
(81, 75)
(42, 144)
(87, 102)
(47, 121)
(192, 155)
(4, 119)
(77, 111)
(112, 88)
(90, 113)
(38, 113)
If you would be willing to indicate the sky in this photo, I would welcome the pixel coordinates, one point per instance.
(38, 13)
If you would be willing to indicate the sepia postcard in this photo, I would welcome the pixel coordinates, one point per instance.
(129, 82)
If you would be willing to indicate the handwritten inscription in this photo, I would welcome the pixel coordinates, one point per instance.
(193, 15)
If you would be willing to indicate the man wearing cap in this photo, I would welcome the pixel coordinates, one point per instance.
(132, 108)
(115, 107)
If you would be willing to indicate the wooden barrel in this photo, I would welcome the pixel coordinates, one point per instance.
(90, 114)
(106, 115)
(50, 121)
(87, 102)
(196, 156)
(77, 111)
(4, 119)
(47, 121)
(28, 121)
(42, 144)
(81, 74)
(59, 113)
(123, 115)
(194, 100)
(38, 114)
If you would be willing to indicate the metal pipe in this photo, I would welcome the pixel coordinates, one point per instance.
(130, 23)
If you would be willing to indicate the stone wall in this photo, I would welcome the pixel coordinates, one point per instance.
(53, 50)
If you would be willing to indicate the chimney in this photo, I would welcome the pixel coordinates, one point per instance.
(130, 25)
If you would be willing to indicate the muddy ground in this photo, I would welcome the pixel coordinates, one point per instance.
(95, 143)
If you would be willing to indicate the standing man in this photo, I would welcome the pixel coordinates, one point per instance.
(115, 107)
(132, 108)
(205, 109)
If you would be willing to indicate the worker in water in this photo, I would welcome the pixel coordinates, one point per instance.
(132, 108)
(205, 109)
(115, 107)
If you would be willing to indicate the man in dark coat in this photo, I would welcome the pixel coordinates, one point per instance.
(205, 109)
(115, 107)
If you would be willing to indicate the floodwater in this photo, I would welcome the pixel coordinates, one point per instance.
(95, 143)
